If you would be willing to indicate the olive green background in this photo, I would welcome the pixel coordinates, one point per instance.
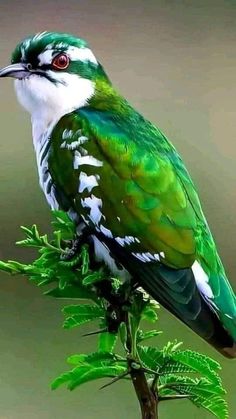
(175, 61)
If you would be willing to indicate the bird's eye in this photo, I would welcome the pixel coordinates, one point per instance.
(61, 62)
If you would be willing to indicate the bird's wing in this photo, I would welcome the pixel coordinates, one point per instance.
(131, 184)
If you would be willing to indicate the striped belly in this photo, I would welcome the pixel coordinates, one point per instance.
(42, 149)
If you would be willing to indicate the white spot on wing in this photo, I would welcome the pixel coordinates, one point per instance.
(82, 139)
(102, 253)
(67, 133)
(139, 256)
(89, 160)
(202, 280)
(87, 182)
(146, 256)
(127, 240)
(105, 231)
(94, 204)
(70, 146)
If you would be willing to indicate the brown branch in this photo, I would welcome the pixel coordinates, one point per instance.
(148, 399)
(147, 394)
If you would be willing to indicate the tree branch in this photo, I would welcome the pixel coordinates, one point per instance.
(147, 396)
(148, 399)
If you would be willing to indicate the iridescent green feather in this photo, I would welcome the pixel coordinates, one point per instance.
(145, 184)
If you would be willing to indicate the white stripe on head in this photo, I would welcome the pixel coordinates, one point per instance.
(74, 53)
(81, 54)
(39, 35)
(46, 57)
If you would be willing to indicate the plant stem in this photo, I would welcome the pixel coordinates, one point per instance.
(148, 400)
(147, 396)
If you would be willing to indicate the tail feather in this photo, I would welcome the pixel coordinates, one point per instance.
(177, 291)
(196, 314)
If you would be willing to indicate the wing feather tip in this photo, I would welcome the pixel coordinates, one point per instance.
(229, 352)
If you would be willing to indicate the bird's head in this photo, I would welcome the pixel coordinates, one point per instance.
(56, 72)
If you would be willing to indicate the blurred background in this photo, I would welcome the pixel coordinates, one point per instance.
(175, 62)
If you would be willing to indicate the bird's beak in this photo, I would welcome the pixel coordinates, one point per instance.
(18, 71)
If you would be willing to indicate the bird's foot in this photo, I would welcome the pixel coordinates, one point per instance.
(75, 245)
(71, 251)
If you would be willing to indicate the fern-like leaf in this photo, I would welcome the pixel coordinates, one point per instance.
(80, 314)
(83, 374)
(107, 341)
(202, 393)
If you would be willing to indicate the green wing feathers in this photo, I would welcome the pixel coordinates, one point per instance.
(147, 194)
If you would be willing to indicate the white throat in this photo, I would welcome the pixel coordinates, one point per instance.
(47, 101)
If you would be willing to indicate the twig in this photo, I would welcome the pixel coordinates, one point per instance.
(147, 396)
(95, 332)
(148, 399)
(115, 380)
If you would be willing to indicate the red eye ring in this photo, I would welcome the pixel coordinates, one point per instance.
(61, 61)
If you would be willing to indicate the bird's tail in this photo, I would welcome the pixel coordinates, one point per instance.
(177, 291)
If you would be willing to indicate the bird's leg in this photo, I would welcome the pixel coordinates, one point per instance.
(83, 232)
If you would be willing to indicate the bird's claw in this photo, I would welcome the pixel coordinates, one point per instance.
(82, 237)
(70, 252)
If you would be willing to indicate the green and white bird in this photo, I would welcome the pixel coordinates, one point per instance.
(113, 171)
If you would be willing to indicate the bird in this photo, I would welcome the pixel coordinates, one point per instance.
(118, 176)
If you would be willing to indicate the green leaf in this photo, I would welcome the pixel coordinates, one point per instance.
(72, 291)
(141, 336)
(57, 235)
(93, 277)
(46, 281)
(79, 314)
(71, 263)
(63, 223)
(32, 237)
(107, 341)
(85, 260)
(62, 283)
(171, 347)
(149, 312)
(199, 363)
(202, 393)
(152, 358)
(95, 358)
(169, 361)
(123, 334)
(83, 374)
(12, 267)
